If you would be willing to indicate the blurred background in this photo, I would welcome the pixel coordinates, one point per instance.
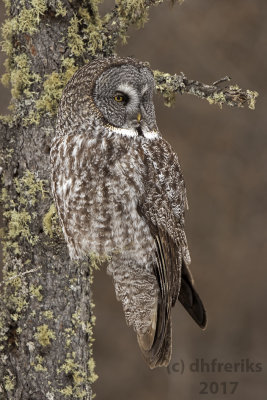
(223, 154)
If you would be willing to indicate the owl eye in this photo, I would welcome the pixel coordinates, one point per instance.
(121, 98)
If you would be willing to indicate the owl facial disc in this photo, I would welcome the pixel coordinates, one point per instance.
(124, 96)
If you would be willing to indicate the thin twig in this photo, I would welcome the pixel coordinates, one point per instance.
(225, 79)
(19, 275)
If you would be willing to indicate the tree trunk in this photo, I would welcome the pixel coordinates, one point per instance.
(46, 311)
(46, 318)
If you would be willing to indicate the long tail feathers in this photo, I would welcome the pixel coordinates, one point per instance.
(156, 346)
(191, 300)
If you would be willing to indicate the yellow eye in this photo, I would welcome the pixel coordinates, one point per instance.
(119, 98)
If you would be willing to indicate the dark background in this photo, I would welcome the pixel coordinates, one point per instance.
(223, 156)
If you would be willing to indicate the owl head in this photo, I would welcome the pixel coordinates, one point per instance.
(115, 92)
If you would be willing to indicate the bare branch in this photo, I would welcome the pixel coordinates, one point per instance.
(232, 95)
(222, 80)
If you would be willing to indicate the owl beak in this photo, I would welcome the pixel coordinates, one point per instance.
(139, 116)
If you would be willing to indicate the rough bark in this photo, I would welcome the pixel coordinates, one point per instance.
(46, 312)
(46, 315)
(46, 319)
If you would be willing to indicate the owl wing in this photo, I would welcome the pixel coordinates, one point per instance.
(163, 206)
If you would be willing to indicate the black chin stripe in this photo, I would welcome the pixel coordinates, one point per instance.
(139, 131)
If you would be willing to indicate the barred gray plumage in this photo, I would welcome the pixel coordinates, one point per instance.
(119, 191)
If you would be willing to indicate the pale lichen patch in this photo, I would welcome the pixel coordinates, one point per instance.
(51, 92)
(61, 10)
(44, 335)
(18, 213)
(91, 367)
(21, 78)
(29, 186)
(252, 95)
(76, 43)
(217, 98)
(67, 391)
(38, 364)
(9, 382)
(29, 18)
(165, 87)
(47, 220)
(73, 368)
(35, 291)
(48, 314)
(134, 11)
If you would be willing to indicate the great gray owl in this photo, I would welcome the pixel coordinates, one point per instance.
(119, 191)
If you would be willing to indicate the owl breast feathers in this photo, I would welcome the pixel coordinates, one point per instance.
(119, 191)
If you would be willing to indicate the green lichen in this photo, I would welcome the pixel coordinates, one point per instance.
(19, 70)
(49, 99)
(91, 367)
(61, 11)
(73, 368)
(4, 198)
(48, 314)
(164, 86)
(76, 318)
(69, 334)
(85, 32)
(91, 30)
(84, 35)
(51, 223)
(38, 364)
(14, 292)
(217, 98)
(29, 18)
(252, 95)
(18, 226)
(44, 335)
(89, 328)
(71, 365)
(168, 85)
(52, 91)
(22, 77)
(29, 187)
(9, 383)
(67, 391)
(9, 27)
(20, 73)
(17, 297)
(134, 11)
(91, 363)
(33, 118)
(75, 41)
(18, 214)
(36, 292)
(33, 314)
(96, 260)
(7, 119)
(7, 6)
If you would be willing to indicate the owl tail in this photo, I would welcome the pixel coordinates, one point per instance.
(190, 299)
(156, 344)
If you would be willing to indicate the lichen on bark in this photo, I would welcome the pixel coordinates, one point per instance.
(231, 95)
